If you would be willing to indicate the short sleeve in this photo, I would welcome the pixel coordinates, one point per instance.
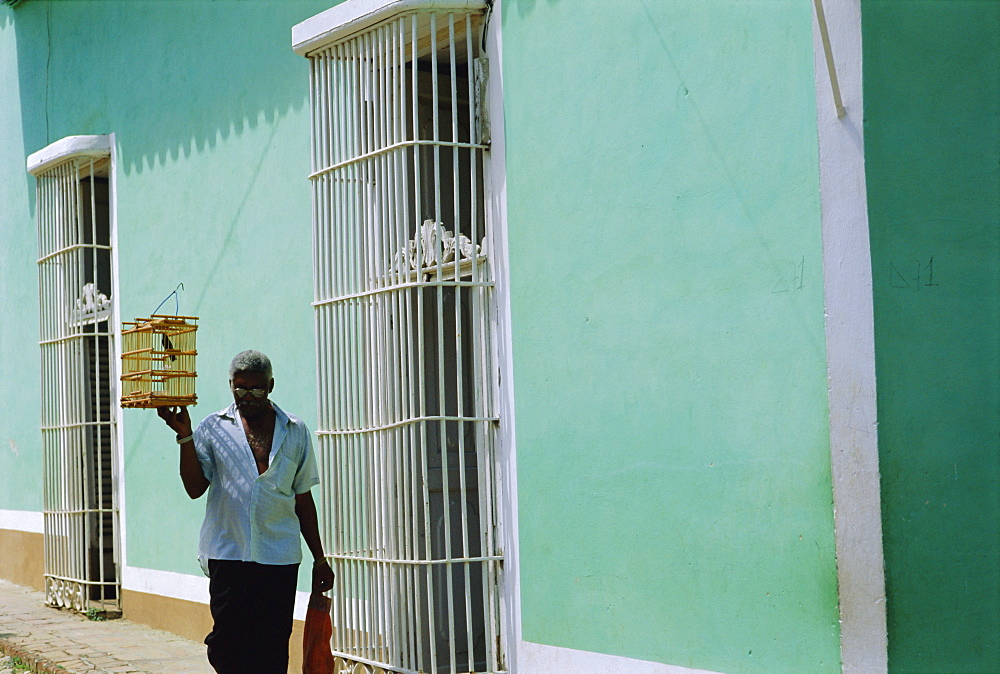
(307, 475)
(204, 450)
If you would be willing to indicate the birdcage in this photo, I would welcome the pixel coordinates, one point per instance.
(158, 355)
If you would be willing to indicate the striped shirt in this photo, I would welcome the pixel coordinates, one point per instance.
(251, 517)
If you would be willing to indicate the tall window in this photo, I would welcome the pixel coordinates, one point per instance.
(78, 374)
(407, 381)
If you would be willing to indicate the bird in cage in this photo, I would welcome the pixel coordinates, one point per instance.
(167, 345)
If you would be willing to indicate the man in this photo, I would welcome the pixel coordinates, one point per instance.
(257, 464)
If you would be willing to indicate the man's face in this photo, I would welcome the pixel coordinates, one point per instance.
(250, 384)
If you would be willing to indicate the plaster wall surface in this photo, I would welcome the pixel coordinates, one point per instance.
(20, 439)
(932, 130)
(209, 110)
(674, 491)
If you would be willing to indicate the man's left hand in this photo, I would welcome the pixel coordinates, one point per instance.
(322, 576)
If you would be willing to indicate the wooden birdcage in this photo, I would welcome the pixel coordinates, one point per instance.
(158, 355)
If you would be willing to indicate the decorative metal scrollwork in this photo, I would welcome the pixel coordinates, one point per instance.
(342, 665)
(434, 252)
(93, 306)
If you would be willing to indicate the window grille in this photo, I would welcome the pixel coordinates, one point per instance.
(78, 418)
(407, 381)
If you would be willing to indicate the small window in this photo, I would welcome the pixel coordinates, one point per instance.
(78, 374)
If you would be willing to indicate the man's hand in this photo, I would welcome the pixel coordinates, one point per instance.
(177, 418)
(322, 576)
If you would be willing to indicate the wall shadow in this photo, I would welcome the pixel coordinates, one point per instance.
(170, 77)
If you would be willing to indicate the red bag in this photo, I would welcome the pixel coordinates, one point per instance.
(317, 658)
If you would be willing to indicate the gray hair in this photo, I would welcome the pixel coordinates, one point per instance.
(250, 361)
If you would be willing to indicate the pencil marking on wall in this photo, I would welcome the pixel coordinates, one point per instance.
(793, 278)
(912, 275)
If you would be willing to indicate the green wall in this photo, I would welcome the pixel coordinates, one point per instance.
(209, 109)
(20, 438)
(668, 345)
(932, 105)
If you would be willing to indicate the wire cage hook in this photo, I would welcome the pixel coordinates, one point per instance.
(177, 308)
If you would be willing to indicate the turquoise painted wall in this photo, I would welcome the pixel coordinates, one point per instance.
(20, 439)
(209, 107)
(932, 138)
(668, 345)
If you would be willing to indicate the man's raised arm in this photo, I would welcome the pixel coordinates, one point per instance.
(195, 482)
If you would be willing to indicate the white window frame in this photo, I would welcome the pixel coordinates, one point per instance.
(80, 434)
(381, 253)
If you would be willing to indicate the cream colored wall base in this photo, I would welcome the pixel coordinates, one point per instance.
(22, 558)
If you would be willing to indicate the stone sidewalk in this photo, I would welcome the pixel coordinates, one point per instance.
(52, 641)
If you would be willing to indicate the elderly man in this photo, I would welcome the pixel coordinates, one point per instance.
(257, 464)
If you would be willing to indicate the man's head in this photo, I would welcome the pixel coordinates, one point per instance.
(251, 381)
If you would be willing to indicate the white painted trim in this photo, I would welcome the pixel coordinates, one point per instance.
(301, 604)
(22, 520)
(117, 329)
(353, 16)
(185, 587)
(68, 148)
(495, 176)
(166, 584)
(556, 660)
(850, 340)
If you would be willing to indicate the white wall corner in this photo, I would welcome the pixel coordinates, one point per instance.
(496, 207)
(847, 277)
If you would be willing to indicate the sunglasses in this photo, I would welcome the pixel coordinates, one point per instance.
(257, 392)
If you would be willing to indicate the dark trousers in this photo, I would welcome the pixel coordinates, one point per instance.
(252, 608)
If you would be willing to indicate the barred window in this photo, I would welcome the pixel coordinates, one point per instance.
(79, 418)
(404, 296)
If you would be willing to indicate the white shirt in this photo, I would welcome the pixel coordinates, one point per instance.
(251, 517)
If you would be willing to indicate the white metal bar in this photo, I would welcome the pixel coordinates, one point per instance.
(97, 455)
(72, 248)
(74, 337)
(85, 484)
(75, 425)
(459, 391)
(344, 265)
(395, 601)
(376, 450)
(366, 338)
(410, 299)
(391, 477)
(336, 316)
(403, 422)
(372, 154)
(403, 652)
(403, 286)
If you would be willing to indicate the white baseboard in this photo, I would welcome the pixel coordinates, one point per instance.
(184, 586)
(542, 659)
(22, 520)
